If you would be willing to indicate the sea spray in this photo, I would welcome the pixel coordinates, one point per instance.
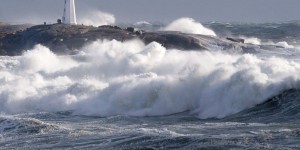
(97, 18)
(257, 41)
(188, 25)
(130, 78)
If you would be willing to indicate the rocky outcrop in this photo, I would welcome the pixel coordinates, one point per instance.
(67, 39)
(60, 38)
(6, 28)
(64, 39)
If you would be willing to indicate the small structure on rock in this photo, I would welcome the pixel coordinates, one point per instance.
(59, 21)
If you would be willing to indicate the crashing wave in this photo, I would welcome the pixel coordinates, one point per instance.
(130, 78)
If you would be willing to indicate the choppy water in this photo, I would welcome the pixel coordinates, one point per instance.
(180, 131)
(127, 95)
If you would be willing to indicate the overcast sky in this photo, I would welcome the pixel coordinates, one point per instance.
(35, 11)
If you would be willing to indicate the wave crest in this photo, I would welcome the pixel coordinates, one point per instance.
(189, 25)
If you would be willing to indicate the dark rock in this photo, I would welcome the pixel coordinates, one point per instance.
(6, 28)
(236, 40)
(60, 38)
(173, 40)
(131, 29)
(110, 27)
(134, 30)
(67, 39)
(64, 39)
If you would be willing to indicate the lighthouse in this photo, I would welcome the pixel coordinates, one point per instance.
(69, 16)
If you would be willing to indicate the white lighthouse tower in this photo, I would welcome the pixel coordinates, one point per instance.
(69, 16)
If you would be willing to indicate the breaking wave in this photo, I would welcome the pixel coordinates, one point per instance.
(13, 125)
(189, 25)
(110, 78)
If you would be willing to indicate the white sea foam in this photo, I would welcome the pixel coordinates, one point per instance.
(189, 25)
(129, 78)
(252, 40)
(284, 44)
(257, 41)
(142, 23)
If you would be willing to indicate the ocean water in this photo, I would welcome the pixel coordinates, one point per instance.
(128, 95)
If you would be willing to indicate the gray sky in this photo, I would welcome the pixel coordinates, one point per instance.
(35, 11)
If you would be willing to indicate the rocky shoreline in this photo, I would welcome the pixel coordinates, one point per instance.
(6, 28)
(67, 39)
